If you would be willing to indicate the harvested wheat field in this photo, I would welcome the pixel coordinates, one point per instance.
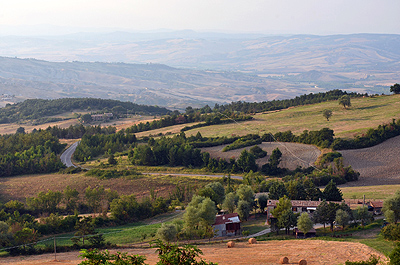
(313, 251)
(378, 165)
(293, 154)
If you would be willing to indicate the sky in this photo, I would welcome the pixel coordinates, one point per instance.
(320, 17)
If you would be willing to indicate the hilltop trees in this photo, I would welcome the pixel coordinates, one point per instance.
(327, 113)
(345, 101)
(395, 89)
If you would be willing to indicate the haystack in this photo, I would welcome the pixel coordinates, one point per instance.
(252, 240)
(302, 262)
(284, 260)
(231, 244)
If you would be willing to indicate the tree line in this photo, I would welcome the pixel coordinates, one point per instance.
(38, 108)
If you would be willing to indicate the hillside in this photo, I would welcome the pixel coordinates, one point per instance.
(243, 67)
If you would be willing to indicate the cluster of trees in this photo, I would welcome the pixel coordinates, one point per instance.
(78, 131)
(190, 116)
(39, 108)
(322, 138)
(98, 144)
(246, 107)
(31, 153)
(248, 140)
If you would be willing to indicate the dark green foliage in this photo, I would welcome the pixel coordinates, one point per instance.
(248, 140)
(111, 160)
(174, 254)
(94, 145)
(277, 190)
(395, 255)
(332, 193)
(78, 130)
(311, 98)
(31, 153)
(39, 108)
(246, 162)
(345, 101)
(257, 152)
(395, 89)
(391, 232)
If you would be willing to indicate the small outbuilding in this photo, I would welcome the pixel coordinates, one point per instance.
(227, 225)
(300, 234)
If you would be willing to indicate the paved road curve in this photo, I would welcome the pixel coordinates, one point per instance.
(66, 156)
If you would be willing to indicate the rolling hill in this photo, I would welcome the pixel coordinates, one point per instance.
(244, 67)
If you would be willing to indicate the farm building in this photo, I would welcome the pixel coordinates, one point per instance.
(300, 234)
(101, 117)
(375, 207)
(298, 206)
(227, 225)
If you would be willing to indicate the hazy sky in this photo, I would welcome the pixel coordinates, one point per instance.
(255, 16)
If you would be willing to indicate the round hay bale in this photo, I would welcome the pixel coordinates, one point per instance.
(231, 244)
(302, 262)
(284, 260)
(252, 240)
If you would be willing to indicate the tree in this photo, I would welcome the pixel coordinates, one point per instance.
(345, 101)
(70, 198)
(20, 130)
(332, 192)
(244, 209)
(215, 191)
(247, 162)
(304, 223)
(86, 118)
(342, 217)
(395, 88)
(326, 213)
(167, 232)
(391, 207)
(287, 220)
(200, 214)
(327, 113)
(284, 204)
(262, 201)
(245, 193)
(229, 203)
(277, 190)
(112, 160)
(362, 214)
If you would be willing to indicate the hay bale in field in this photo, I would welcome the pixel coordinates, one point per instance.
(284, 260)
(302, 262)
(252, 241)
(231, 244)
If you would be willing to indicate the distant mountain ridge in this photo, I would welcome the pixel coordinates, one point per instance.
(243, 67)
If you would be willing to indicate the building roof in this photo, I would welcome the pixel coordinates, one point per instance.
(227, 218)
(376, 204)
(297, 203)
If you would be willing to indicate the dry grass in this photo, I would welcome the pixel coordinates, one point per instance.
(293, 154)
(314, 251)
(21, 187)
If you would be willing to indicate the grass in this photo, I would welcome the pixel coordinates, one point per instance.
(381, 192)
(255, 225)
(365, 113)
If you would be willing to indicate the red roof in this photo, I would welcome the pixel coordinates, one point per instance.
(227, 218)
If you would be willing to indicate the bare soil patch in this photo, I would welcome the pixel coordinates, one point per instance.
(378, 165)
(293, 154)
(314, 251)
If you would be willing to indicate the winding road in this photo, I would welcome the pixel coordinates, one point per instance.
(67, 155)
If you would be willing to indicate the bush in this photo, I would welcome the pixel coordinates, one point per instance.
(391, 232)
